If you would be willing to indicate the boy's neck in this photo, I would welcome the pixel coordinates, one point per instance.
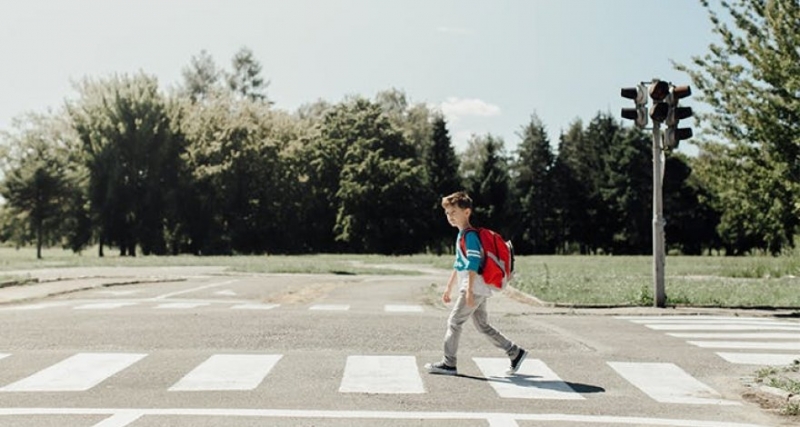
(465, 226)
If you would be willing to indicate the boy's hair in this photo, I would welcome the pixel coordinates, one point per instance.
(459, 199)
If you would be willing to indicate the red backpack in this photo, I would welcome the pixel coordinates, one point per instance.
(497, 256)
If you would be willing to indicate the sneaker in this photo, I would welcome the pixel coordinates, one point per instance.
(517, 362)
(440, 368)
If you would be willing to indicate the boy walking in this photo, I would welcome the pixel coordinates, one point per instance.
(473, 293)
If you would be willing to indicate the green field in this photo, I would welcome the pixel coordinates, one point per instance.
(758, 282)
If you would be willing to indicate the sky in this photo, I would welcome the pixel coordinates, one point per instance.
(487, 65)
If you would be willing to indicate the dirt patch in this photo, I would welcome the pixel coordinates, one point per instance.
(304, 294)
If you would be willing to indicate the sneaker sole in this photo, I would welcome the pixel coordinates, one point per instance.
(436, 371)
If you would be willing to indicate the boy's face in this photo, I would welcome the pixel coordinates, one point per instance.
(457, 217)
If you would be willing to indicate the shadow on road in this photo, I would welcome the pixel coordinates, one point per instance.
(531, 381)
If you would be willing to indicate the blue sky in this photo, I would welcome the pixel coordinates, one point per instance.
(488, 65)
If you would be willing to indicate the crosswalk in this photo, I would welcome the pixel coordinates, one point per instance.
(745, 340)
(364, 374)
(177, 305)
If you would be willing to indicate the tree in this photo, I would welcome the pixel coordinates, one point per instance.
(127, 142)
(200, 78)
(245, 79)
(626, 189)
(442, 165)
(532, 185)
(381, 191)
(750, 82)
(485, 170)
(36, 182)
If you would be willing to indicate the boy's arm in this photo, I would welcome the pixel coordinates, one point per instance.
(468, 294)
(449, 288)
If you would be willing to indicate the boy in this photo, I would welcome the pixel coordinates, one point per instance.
(473, 295)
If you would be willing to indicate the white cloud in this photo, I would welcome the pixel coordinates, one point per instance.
(455, 108)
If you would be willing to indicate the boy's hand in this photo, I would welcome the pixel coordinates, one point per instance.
(470, 299)
(446, 297)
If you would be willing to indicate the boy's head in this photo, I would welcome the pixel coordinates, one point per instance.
(457, 207)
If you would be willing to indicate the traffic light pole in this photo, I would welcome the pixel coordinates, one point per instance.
(659, 296)
(665, 110)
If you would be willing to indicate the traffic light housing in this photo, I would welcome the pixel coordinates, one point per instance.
(659, 91)
(639, 113)
(673, 135)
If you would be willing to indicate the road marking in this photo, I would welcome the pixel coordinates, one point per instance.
(415, 416)
(381, 374)
(330, 307)
(767, 359)
(747, 345)
(667, 383)
(119, 293)
(4, 355)
(397, 308)
(228, 372)
(79, 372)
(534, 380)
(720, 327)
(35, 306)
(199, 288)
(182, 305)
(227, 292)
(103, 305)
(120, 419)
(717, 321)
(255, 306)
(740, 335)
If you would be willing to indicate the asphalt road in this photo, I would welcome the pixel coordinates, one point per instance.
(302, 350)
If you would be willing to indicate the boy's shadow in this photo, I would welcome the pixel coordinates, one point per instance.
(528, 381)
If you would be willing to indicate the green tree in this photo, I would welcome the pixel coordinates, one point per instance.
(127, 142)
(485, 168)
(201, 77)
(532, 185)
(380, 186)
(749, 79)
(441, 163)
(36, 183)
(626, 189)
(245, 79)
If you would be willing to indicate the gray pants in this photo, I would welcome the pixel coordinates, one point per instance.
(461, 312)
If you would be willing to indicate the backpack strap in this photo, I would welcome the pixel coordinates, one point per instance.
(462, 243)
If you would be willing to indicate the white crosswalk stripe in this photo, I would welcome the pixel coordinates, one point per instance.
(401, 308)
(534, 380)
(255, 306)
(667, 383)
(104, 305)
(228, 372)
(381, 375)
(76, 373)
(330, 307)
(368, 374)
(732, 333)
(182, 305)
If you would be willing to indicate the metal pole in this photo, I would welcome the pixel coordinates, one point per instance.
(659, 296)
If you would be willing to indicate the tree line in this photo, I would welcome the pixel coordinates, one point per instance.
(211, 167)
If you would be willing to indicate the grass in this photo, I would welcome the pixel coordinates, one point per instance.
(742, 282)
(786, 378)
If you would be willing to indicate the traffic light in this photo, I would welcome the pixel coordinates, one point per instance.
(674, 135)
(639, 96)
(659, 91)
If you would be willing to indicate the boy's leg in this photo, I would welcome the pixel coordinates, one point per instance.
(458, 316)
(481, 319)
